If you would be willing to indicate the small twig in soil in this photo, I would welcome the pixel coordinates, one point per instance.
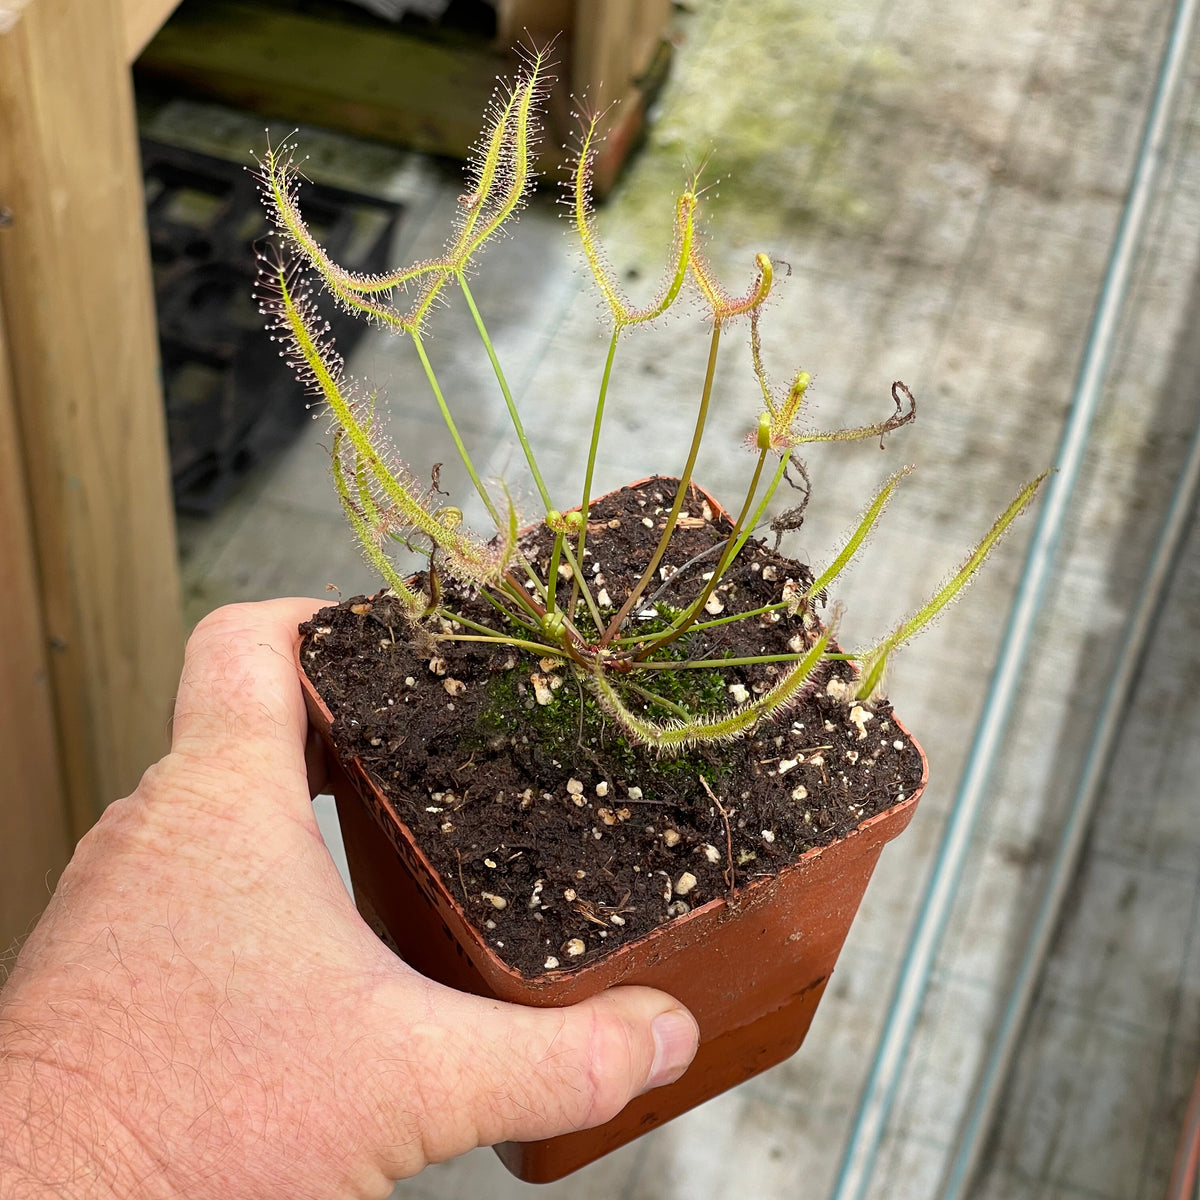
(588, 913)
(582, 705)
(728, 839)
(887, 789)
(461, 882)
(677, 574)
(619, 907)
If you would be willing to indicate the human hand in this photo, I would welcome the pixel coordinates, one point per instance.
(201, 1011)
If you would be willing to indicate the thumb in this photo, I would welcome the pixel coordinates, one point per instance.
(503, 1072)
(238, 697)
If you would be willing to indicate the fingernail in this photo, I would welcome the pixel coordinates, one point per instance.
(676, 1036)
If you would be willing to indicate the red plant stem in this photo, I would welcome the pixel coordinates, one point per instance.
(722, 564)
(572, 643)
(685, 479)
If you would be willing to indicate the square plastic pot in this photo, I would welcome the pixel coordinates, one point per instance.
(752, 972)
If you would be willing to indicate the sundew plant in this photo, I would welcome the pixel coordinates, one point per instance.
(555, 614)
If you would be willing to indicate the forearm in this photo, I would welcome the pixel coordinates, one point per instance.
(105, 1025)
(139, 1062)
(109, 1103)
(58, 1135)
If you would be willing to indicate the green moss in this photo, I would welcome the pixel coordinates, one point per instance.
(774, 128)
(573, 719)
(700, 692)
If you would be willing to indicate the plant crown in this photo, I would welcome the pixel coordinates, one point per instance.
(384, 503)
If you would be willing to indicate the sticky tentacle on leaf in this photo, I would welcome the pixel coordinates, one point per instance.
(674, 736)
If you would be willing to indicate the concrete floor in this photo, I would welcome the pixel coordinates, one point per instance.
(944, 179)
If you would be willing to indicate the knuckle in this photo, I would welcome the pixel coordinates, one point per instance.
(610, 1063)
(221, 620)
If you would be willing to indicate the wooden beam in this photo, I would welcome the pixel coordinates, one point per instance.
(75, 287)
(427, 92)
(365, 79)
(620, 56)
(35, 838)
(141, 20)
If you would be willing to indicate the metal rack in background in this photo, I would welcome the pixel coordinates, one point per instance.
(891, 1055)
(229, 402)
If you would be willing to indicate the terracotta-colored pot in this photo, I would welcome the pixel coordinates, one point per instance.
(751, 974)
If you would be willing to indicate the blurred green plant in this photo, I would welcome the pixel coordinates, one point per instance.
(384, 503)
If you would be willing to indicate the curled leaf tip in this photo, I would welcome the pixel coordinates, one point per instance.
(763, 440)
(724, 307)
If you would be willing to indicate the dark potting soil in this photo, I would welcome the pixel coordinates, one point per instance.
(559, 838)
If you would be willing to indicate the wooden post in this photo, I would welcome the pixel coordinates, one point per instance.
(614, 46)
(76, 293)
(141, 20)
(532, 22)
(35, 837)
(614, 43)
